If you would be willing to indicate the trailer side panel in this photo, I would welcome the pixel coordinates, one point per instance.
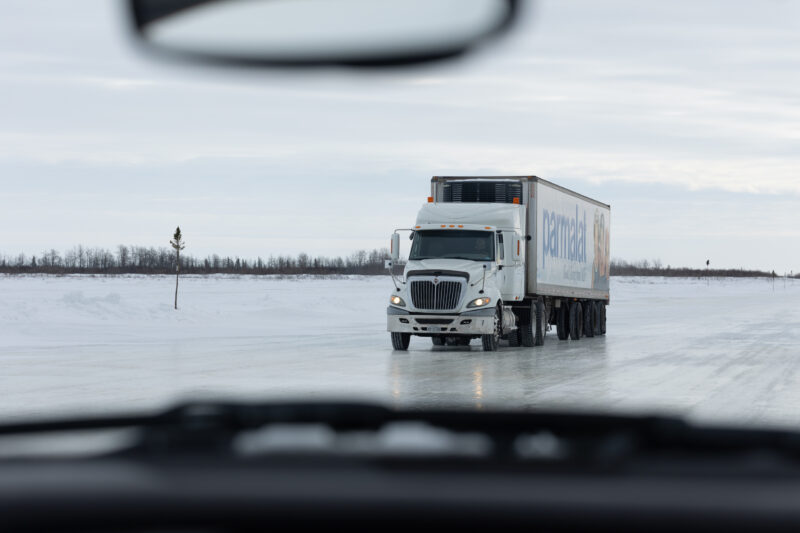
(572, 237)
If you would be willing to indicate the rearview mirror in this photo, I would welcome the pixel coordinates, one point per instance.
(394, 250)
(318, 32)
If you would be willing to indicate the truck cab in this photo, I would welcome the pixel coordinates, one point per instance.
(466, 262)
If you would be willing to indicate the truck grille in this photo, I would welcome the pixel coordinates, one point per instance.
(442, 296)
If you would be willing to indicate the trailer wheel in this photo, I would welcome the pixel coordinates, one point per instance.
(562, 322)
(540, 321)
(602, 318)
(437, 340)
(491, 341)
(575, 321)
(598, 319)
(589, 319)
(400, 341)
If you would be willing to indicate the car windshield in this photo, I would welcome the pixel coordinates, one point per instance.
(175, 231)
(443, 244)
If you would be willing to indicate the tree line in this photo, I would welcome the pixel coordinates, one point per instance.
(150, 260)
(644, 267)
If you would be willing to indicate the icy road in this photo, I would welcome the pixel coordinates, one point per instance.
(727, 350)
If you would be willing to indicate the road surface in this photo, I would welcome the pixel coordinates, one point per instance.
(724, 350)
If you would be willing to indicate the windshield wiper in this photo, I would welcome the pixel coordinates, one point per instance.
(578, 437)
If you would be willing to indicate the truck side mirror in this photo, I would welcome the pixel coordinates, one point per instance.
(501, 249)
(394, 249)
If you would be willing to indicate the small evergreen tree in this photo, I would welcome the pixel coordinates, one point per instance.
(177, 245)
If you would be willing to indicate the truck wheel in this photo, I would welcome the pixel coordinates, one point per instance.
(491, 341)
(437, 341)
(514, 338)
(526, 327)
(400, 341)
(562, 322)
(598, 325)
(540, 321)
(589, 321)
(602, 318)
(575, 320)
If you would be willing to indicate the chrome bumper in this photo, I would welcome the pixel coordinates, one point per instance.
(476, 322)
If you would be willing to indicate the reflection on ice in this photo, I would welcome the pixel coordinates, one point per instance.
(560, 373)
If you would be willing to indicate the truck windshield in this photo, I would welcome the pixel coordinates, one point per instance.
(453, 244)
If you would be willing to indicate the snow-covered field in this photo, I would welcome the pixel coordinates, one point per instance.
(727, 350)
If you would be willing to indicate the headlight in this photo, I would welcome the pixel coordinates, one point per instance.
(479, 302)
(396, 300)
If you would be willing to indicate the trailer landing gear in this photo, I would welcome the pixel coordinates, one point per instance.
(562, 322)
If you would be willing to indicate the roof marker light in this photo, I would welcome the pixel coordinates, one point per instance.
(515, 200)
(430, 199)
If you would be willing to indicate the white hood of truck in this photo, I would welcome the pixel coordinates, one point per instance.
(473, 268)
(506, 216)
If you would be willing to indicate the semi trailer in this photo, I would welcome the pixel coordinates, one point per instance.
(501, 257)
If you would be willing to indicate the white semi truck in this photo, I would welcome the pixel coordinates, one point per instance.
(502, 257)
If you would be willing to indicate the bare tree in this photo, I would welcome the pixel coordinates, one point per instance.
(177, 245)
(123, 256)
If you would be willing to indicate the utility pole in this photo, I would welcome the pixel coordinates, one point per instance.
(177, 245)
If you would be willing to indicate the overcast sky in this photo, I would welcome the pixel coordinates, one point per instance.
(684, 116)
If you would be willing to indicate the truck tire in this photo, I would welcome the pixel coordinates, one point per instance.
(575, 321)
(562, 322)
(602, 318)
(598, 326)
(437, 341)
(540, 323)
(589, 321)
(514, 338)
(526, 327)
(491, 341)
(400, 341)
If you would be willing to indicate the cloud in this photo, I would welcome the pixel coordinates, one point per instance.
(612, 99)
